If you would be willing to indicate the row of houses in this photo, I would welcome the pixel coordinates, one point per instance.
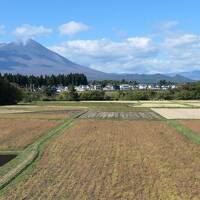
(122, 87)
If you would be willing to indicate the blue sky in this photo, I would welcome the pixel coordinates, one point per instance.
(144, 36)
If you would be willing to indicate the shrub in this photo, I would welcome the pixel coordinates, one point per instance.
(92, 95)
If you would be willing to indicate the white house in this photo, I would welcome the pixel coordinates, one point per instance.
(60, 89)
(95, 87)
(142, 86)
(109, 88)
(82, 88)
(125, 87)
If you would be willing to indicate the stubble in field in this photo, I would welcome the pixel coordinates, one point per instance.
(17, 133)
(104, 159)
(194, 125)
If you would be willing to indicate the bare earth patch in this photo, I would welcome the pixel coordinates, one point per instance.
(180, 113)
(104, 159)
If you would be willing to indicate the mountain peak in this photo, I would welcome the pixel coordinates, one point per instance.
(30, 57)
(24, 43)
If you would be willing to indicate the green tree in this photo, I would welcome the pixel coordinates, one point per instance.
(73, 95)
(9, 93)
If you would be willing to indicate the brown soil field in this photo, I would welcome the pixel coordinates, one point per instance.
(120, 115)
(18, 133)
(58, 114)
(194, 125)
(104, 159)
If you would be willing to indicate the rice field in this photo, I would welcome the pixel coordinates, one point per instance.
(48, 115)
(105, 159)
(178, 113)
(161, 105)
(19, 129)
(112, 150)
(194, 125)
(120, 115)
(16, 133)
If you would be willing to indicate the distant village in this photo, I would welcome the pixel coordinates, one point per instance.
(122, 87)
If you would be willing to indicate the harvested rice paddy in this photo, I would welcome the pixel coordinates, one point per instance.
(120, 115)
(194, 125)
(161, 105)
(104, 159)
(100, 150)
(18, 133)
(178, 113)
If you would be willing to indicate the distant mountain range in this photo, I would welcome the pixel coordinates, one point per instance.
(33, 58)
(193, 75)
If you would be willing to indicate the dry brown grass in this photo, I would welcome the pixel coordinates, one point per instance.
(104, 159)
(194, 125)
(40, 115)
(17, 133)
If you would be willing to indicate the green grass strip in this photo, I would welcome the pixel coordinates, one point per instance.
(188, 133)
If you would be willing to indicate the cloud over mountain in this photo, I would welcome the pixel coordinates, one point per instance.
(170, 50)
(28, 31)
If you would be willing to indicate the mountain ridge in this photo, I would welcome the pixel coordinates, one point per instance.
(33, 58)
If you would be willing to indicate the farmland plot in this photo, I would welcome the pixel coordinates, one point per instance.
(161, 105)
(194, 125)
(178, 113)
(120, 115)
(17, 133)
(104, 159)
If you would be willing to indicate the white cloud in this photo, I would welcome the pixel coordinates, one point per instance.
(27, 31)
(72, 28)
(169, 50)
(109, 56)
(175, 53)
(2, 29)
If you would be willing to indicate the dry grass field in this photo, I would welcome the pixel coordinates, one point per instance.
(58, 114)
(17, 133)
(21, 125)
(105, 159)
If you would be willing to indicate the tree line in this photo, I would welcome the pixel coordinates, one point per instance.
(39, 81)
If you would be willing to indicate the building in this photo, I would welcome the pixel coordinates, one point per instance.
(109, 88)
(61, 88)
(125, 87)
(82, 88)
(95, 87)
